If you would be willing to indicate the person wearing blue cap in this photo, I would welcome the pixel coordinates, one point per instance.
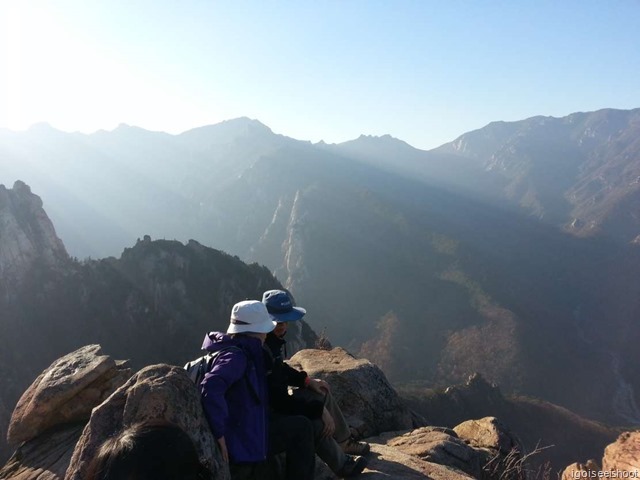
(335, 445)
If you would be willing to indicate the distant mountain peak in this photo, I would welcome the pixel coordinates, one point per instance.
(379, 138)
(228, 131)
(246, 121)
(126, 128)
(376, 141)
(42, 128)
(237, 125)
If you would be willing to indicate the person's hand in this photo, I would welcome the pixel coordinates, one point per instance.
(318, 386)
(329, 424)
(223, 449)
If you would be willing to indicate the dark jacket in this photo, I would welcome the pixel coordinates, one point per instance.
(281, 377)
(234, 396)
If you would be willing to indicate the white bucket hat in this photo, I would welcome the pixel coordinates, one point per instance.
(250, 316)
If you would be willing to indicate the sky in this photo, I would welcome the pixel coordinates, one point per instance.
(422, 71)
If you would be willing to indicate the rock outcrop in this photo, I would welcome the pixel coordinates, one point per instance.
(370, 404)
(50, 415)
(66, 392)
(478, 448)
(621, 460)
(27, 234)
(623, 455)
(75, 386)
(558, 435)
(489, 433)
(390, 462)
(156, 392)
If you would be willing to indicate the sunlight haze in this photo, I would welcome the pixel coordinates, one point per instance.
(424, 72)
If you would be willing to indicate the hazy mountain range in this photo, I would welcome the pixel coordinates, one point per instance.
(512, 251)
(153, 304)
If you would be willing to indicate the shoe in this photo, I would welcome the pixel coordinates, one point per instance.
(353, 447)
(352, 467)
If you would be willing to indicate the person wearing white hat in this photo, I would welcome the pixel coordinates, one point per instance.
(235, 398)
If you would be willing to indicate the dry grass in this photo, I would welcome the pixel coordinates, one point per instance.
(322, 342)
(516, 466)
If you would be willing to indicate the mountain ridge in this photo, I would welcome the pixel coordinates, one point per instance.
(448, 249)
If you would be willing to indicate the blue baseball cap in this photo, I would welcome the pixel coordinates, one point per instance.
(280, 306)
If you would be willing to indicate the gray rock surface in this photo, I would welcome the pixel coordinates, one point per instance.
(390, 462)
(387, 462)
(474, 454)
(155, 392)
(438, 445)
(368, 401)
(46, 457)
(66, 392)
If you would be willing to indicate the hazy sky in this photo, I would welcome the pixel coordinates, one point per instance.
(423, 71)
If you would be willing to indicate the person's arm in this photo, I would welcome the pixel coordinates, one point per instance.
(228, 368)
(223, 449)
(300, 379)
(295, 378)
(318, 385)
(329, 424)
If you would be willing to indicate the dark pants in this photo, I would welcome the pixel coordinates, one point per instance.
(293, 435)
(258, 471)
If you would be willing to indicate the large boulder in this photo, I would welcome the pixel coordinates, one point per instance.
(155, 392)
(468, 448)
(623, 455)
(368, 401)
(501, 452)
(441, 446)
(489, 433)
(399, 456)
(51, 414)
(66, 392)
(389, 462)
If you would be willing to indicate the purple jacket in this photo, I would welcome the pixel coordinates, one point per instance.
(234, 396)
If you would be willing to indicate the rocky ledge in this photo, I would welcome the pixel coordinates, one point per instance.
(85, 397)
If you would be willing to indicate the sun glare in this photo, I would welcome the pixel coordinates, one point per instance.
(11, 78)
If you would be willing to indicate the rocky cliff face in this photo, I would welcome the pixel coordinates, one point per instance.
(27, 236)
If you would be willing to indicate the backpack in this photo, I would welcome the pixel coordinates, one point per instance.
(198, 368)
